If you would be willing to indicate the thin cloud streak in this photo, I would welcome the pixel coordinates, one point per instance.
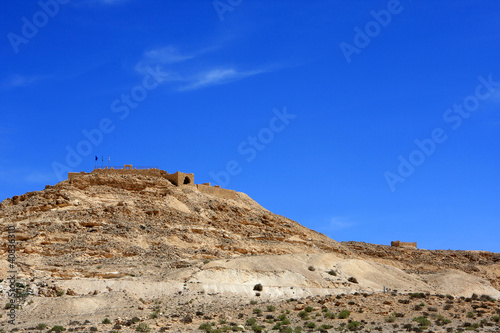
(19, 81)
(171, 61)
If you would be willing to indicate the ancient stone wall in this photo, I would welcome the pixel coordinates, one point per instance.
(404, 244)
(178, 178)
(216, 191)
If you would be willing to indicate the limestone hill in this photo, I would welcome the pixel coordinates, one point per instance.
(107, 216)
(117, 244)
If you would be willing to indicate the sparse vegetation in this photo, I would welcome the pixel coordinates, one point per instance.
(329, 315)
(257, 311)
(258, 287)
(353, 325)
(344, 314)
(251, 321)
(57, 329)
(106, 321)
(422, 321)
(390, 319)
(205, 327)
(270, 308)
(310, 325)
(143, 327)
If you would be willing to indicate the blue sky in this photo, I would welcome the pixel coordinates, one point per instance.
(364, 120)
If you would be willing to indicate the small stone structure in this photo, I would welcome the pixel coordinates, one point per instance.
(178, 179)
(404, 244)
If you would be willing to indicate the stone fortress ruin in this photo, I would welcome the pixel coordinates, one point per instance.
(404, 244)
(178, 178)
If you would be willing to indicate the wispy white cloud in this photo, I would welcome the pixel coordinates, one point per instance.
(19, 80)
(188, 71)
(167, 55)
(217, 76)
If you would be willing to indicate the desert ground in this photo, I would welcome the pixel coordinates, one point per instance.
(136, 253)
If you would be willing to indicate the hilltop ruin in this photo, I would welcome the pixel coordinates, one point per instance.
(178, 178)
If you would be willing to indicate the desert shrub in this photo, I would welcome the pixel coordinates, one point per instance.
(257, 328)
(487, 298)
(309, 309)
(205, 327)
(258, 287)
(41, 326)
(329, 315)
(422, 321)
(447, 307)
(106, 321)
(324, 327)
(253, 302)
(310, 324)
(470, 314)
(251, 321)
(404, 301)
(57, 329)
(353, 325)
(270, 308)
(417, 295)
(302, 314)
(257, 311)
(398, 315)
(390, 319)
(297, 329)
(496, 319)
(344, 314)
(143, 327)
(282, 316)
(417, 307)
(440, 320)
(431, 309)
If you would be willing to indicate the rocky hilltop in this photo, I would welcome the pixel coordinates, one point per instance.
(106, 216)
(140, 248)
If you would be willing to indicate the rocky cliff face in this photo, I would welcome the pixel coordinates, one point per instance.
(115, 245)
(105, 216)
